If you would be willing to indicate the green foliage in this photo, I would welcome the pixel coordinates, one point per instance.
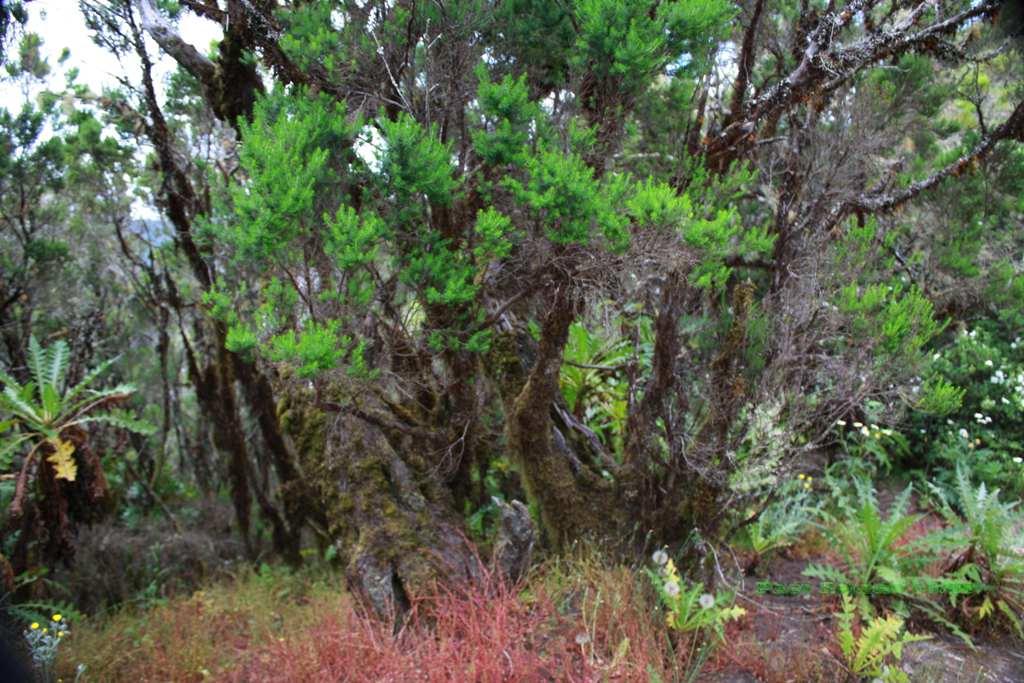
(988, 532)
(416, 163)
(507, 116)
(628, 44)
(353, 239)
(868, 542)
(985, 427)
(939, 397)
(570, 204)
(40, 410)
(593, 378)
(688, 607)
(874, 444)
(312, 39)
(293, 148)
(878, 647)
(900, 323)
(781, 522)
(315, 349)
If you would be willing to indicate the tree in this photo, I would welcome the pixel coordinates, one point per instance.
(427, 197)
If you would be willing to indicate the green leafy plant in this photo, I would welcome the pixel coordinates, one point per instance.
(689, 607)
(41, 412)
(780, 523)
(987, 548)
(982, 421)
(881, 445)
(872, 647)
(867, 542)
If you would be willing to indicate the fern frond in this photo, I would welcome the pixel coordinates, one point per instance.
(36, 360)
(8, 449)
(58, 358)
(9, 381)
(90, 377)
(12, 401)
(120, 419)
(1013, 618)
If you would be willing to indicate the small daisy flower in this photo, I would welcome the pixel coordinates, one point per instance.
(1018, 460)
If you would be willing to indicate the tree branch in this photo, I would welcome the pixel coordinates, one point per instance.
(167, 37)
(1011, 129)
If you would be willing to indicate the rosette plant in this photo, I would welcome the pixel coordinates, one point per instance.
(44, 447)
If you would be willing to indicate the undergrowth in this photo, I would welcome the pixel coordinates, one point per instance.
(568, 621)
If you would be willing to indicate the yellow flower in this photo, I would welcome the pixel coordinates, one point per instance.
(56, 617)
(45, 631)
(64, 466)
(800, 476)
(60, 634)
(35, 625)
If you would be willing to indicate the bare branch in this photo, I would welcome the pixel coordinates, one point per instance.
(1011, 129)
(167, 37)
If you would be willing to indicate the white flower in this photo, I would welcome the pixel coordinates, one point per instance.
(865, 431)
(660, 558)
(582, 639)
(841, 423)
(1018, 460)
(857, 425)
(988, 363)
(707, 601)
(963, 433)
(671, 589)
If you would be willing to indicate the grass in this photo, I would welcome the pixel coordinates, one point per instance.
(205, 636)
(570, 621)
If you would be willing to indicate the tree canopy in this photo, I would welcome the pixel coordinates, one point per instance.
(624, 262)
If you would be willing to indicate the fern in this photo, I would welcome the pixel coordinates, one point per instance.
(878, 647)
(985, 543)
(39, 411)
(867, 540)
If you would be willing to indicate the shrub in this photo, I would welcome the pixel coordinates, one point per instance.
(987, 429)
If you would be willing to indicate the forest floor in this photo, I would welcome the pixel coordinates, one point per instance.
(569, 621)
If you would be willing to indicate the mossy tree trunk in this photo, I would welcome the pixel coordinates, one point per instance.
(393, 519)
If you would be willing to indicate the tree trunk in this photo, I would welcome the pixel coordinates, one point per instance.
(393, 520)
(566, 491)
